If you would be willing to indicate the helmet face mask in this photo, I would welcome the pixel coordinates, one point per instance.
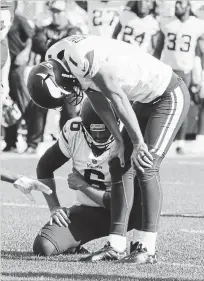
(98, 142)
(95, 132)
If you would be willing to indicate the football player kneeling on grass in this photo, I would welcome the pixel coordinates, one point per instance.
(85, 140)
(24, 184)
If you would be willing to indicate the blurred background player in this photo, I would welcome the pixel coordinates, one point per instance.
(45, 37)
(176, 46)
(7, 11)
(20, 43)
(138, 25)
(85, 140)
(102, 16)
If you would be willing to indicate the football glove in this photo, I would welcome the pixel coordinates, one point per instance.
(26, 185)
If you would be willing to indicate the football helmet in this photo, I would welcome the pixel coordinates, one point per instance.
(51, 84)
(95, 131)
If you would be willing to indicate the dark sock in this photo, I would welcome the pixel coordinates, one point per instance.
(121, 198)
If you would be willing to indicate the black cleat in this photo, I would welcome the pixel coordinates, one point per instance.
(139, 255)
(107, 253)
(82, 250)
(10, 148)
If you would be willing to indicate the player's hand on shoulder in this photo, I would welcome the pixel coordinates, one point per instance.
(60, 215)
(26, 185)
(141, 157)
(76, 181)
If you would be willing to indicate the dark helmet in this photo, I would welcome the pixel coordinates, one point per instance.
(95, 131)
(50, 84)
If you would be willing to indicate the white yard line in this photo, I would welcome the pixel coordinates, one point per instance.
(192, 231)
(25, 205)
(21, 205)
(180, 264)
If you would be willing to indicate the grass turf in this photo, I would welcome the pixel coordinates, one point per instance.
(180, 240)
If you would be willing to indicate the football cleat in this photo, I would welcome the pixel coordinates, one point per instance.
(139, 255)
(81, 250)
(107, 253)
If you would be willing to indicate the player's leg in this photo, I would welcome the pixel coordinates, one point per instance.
(181, 135)
(167, 115)
(87, 223)
(108, 252)
(122, 192)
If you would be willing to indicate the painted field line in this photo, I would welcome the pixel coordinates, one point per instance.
(45, 207)
(180, 264)
(25, 205)
(182, 215)
(197, 163)
(181, 183)
(192, 231)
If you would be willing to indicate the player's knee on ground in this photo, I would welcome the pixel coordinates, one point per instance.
(42, 246)
(55, 240)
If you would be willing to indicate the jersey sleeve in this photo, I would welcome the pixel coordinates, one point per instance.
(83, 64)
(55, 50)
(65, 140)
(200, 27)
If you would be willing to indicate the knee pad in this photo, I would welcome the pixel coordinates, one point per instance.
(43, 246)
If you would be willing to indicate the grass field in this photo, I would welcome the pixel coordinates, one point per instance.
(180, 241)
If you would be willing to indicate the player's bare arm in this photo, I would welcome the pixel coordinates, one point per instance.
(105, 80)
(53, 159)
(158, 44)
(117, 30)
(24, 184)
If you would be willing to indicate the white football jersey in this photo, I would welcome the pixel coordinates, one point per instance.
(180, 41)
(141, 76)
(95, 170)
(5, 22)
(138, 31)
(103, 16)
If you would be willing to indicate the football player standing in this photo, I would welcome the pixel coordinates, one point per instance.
(103, 16)
(7, 11)
(137, 25)
(122, 73)
(177, 45)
